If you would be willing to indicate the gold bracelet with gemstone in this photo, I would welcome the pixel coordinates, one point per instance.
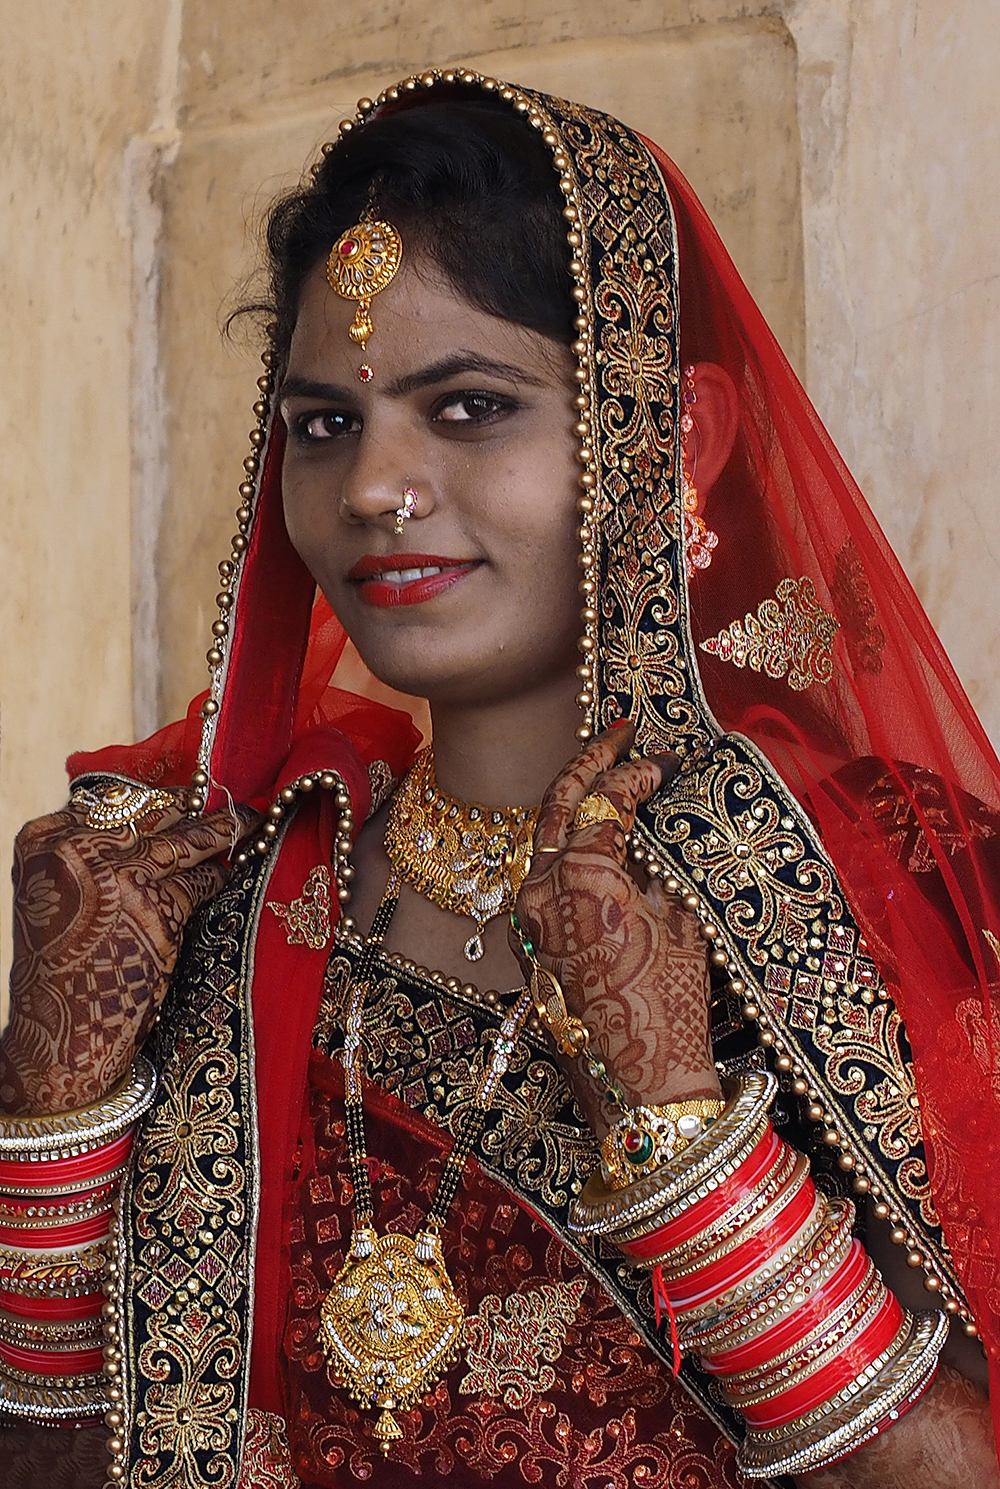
(647, 1137)
(627, 1214)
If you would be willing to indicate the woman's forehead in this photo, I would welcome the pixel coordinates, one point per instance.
(418, 319)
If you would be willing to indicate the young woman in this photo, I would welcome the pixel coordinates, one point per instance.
(525, 431)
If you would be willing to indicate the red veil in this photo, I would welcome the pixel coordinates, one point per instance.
(869, 729)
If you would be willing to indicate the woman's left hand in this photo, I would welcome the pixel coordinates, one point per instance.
(631, 963)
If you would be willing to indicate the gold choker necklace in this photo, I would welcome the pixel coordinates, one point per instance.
(467, 858)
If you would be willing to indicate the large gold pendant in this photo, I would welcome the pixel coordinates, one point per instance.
(391, 1323)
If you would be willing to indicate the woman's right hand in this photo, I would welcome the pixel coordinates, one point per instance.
(98, 919)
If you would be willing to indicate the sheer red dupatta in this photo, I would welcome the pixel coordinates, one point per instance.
(888, 757)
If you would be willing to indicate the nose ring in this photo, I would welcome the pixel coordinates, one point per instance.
(406, 511)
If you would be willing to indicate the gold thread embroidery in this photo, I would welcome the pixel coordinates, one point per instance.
(381, 780)
(790, 636)
(994, 943)
(856, 605)
(267, 1458)
(509, 1338)
(308, 918)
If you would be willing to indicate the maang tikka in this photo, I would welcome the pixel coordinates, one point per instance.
(362, 262)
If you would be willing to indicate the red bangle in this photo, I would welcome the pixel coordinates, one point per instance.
(811, 1312)
(704, 1212)
(824, 1384)
(52, 1362)
(49, 1174)
(62, 1310)
(714, 1280)
(58, 1237)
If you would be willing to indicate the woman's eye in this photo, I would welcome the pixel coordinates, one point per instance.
(324, 425)
(472, 408)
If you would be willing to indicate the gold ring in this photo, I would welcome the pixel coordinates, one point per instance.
(536, 851)
(596, 808)
(119, 803)
(175, 866)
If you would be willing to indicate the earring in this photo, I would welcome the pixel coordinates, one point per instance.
(699, 540)
(406, 511)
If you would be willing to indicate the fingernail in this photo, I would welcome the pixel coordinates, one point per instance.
(620, 724)
(669, 765)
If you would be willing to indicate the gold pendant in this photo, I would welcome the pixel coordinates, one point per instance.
(391, 1323)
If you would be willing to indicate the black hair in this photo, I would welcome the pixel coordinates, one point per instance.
(465, 183)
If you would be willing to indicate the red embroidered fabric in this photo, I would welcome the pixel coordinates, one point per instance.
(552, 1386)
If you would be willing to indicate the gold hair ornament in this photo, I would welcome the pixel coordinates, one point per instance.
(362, 263)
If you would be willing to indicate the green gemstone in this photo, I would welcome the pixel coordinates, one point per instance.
(642, 1151)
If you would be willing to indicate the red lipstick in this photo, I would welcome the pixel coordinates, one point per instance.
(392, 579)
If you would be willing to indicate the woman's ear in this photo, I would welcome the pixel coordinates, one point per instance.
(715, 415)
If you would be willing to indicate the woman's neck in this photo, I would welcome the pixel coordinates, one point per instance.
(506, 753)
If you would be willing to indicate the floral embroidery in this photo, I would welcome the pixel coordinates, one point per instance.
(507, 1340)
(789, 636)
(308, 918)
(267, 1459)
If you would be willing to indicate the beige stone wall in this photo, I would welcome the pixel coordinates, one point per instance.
(847, 149)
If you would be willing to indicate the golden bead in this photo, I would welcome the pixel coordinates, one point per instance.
(365, 105)
(862, 1184)
(882, 1210)
(846, 1162)
(932, 1283)
(751, 1011)
(784, 1062)
(914, 1259)
(583, 733)
(831, 1137)
(815, 1112)
(766, 1037)
(897, 1236)
(208, 708)
(970, 1329)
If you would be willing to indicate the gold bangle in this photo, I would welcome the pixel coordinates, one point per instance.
(47, 1138)
(647, 1137)
(841, 1425)
(620, 1215)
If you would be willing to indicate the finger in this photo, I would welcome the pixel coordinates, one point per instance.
(193, 886)
(573, 783)
(625, 786)
(194, 840)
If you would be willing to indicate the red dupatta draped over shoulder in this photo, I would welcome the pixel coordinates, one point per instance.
(803, 637)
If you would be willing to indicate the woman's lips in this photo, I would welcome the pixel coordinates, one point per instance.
(407, 578)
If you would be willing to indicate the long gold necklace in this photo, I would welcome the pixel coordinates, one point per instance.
(467, 858)
(391, 1323)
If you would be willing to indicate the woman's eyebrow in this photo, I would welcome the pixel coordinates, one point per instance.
(454, 366)
(307, 387)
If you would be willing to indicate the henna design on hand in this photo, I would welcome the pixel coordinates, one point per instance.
(98, 922)
(631, 963)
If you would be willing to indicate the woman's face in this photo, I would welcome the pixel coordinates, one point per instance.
(474, 414)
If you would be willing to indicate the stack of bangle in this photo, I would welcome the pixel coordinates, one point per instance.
(59, 1177)
(763, 1279)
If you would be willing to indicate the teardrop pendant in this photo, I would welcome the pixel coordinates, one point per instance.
(474, 948)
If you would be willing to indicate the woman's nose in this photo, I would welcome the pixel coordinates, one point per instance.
(380, 487)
